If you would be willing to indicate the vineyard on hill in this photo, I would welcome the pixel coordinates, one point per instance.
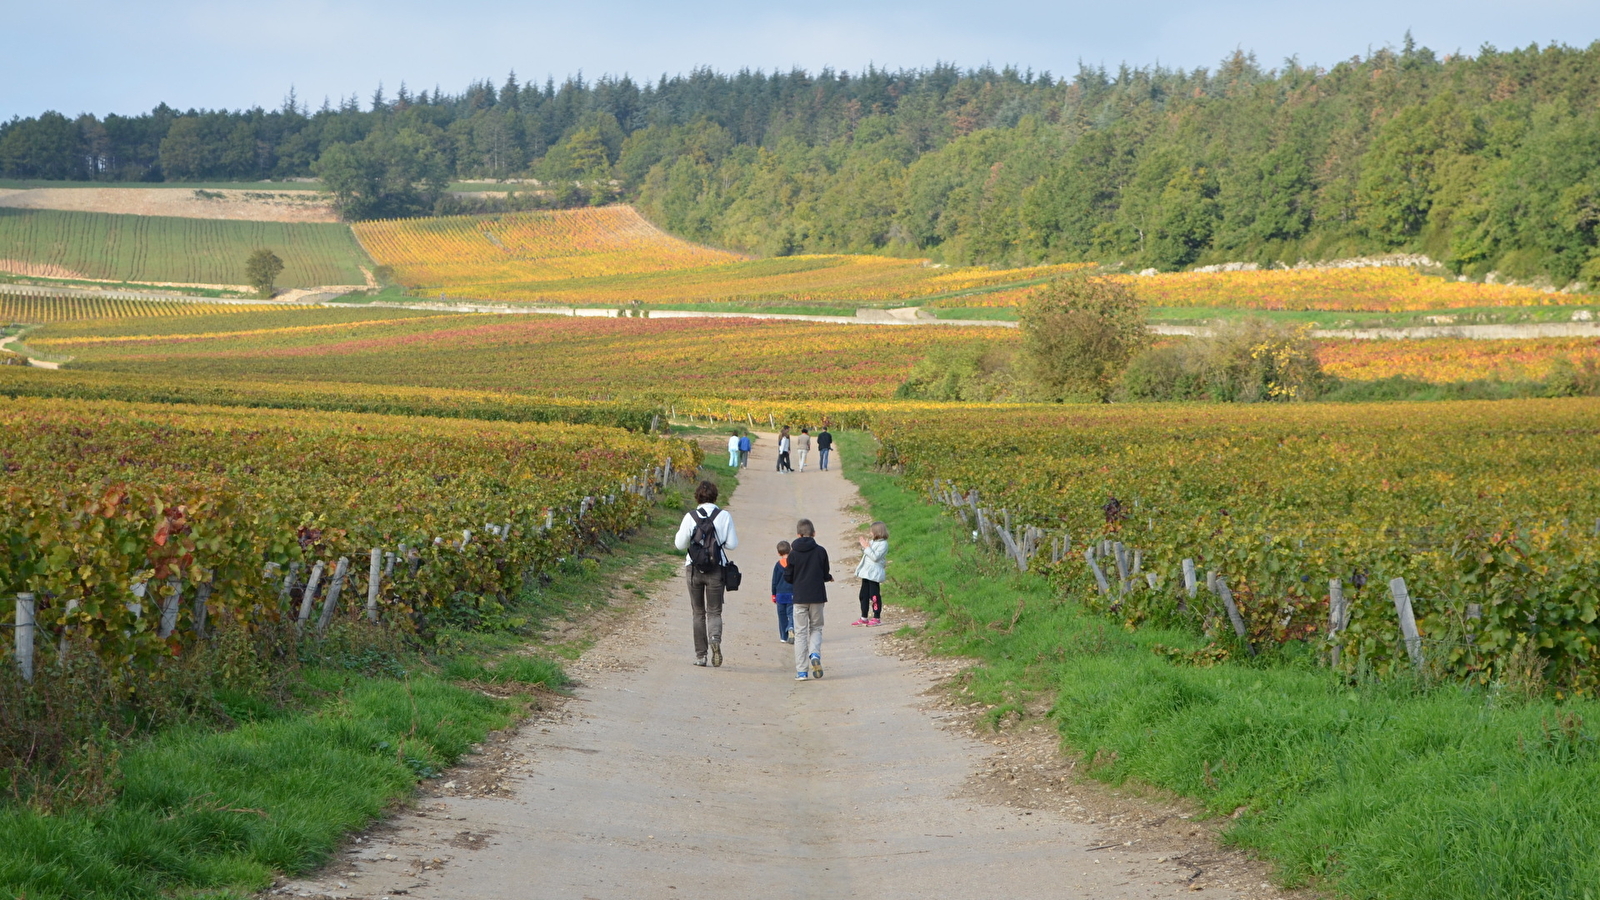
(1488, 511)
(549, 355)
(1446, 360)
(752, 367)
(115, 513)
(1372, 289)
(612, 256)
(157, 250)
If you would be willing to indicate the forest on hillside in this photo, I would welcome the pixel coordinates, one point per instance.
(1488, 162)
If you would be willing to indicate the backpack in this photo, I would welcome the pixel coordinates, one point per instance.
(705, 553)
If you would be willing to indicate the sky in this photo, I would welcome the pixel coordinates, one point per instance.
(105, 56)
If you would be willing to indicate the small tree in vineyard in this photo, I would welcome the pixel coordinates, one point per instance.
(261, 271)
(1078, 335)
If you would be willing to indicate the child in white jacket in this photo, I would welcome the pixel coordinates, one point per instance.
(871, 570)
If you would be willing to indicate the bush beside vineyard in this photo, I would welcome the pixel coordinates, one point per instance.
(103, 498)
(1490, 512)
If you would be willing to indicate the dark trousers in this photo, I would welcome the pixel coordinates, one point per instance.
(705, 603)
(783, 462)
(785, 618)
(871, 599)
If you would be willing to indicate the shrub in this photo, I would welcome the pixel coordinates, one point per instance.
(1247, 361)
(978, 371)
(1078, 335)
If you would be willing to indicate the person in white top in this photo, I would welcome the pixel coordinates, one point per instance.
(705, 577)
(783, 450)
(733, 451)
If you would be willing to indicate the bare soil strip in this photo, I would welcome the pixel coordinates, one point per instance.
(662, 779)
(261, 206)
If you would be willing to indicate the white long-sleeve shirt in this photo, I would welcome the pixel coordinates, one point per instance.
(733, 444)
(722, 522)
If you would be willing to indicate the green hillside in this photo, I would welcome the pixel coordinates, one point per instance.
(107, 247)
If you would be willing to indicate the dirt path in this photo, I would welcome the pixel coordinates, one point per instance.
(668, 780)
(13, 338)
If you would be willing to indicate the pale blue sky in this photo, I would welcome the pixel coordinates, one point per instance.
(104, 56)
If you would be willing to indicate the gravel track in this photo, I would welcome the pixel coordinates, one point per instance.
(661, 779)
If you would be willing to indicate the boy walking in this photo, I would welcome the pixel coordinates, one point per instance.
(783, 595)
(808, 572)
(744, 451)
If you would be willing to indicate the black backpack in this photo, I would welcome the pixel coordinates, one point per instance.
(705, 553)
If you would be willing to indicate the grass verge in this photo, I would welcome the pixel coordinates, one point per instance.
(1371, 790)
(203, 812)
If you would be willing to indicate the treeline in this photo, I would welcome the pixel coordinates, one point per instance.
(1489, 162)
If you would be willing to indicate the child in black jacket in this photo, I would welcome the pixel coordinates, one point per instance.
(783, 595)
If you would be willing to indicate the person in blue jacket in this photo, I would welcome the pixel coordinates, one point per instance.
(783, 595)
(744, 451)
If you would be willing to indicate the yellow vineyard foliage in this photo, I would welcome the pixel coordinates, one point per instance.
(612, 256)
(1342, 290)
(1489, 511)
(112, 510)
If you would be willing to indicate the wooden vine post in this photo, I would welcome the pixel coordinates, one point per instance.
(310, 592)
(25, 627)
(1408, 620)
(341, 571)
(374, 580)
(1233, 615)
(1338, 617)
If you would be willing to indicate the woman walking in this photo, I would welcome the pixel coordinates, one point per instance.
(783, 450)
(706, 533)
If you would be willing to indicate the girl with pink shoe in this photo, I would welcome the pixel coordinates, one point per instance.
(871, 571)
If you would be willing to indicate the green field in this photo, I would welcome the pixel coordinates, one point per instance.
(118, 248)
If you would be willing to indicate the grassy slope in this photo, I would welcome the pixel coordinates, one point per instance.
(218, 812)
(121, 248)
(1375, 790)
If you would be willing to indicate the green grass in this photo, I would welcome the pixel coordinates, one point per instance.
(119, 248)
(1398, 790)
(207, 810)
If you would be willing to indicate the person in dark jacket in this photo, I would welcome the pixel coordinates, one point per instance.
(783, 595)
(808, 572)
(824, 447)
